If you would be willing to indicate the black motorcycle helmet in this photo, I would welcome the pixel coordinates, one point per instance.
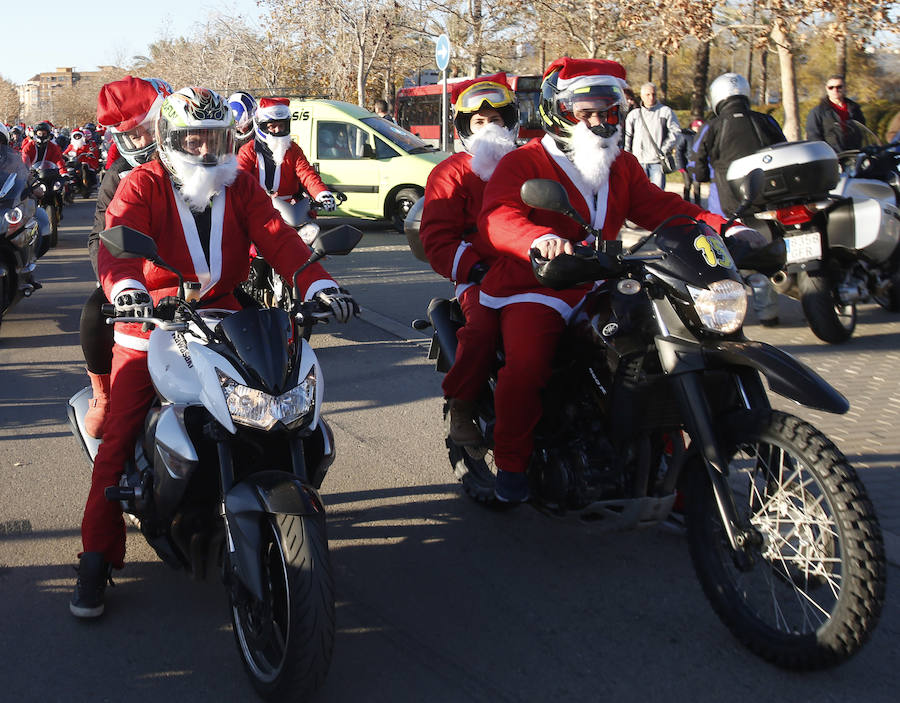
(596, 82)
(42, 132)
(490, 91)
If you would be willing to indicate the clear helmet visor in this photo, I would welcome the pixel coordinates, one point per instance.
(203, 146)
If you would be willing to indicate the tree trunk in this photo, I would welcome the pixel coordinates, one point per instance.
(664, 78)
(701, 78)
(841, 62)
(749, 75)
(478, 48)
(764, 75)
(785, 47)
(361, 78)
(650, 67)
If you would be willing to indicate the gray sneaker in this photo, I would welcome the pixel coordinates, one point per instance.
(93, 575)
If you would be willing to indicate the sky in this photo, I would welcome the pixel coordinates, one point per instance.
(105, 33)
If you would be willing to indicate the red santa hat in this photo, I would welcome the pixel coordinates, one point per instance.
(124, 104)
(270, 109)
(578, 72)
(457, 88)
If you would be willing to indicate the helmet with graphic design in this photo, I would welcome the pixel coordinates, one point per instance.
(195, 127)
(243, 107)
(572, 85)
(129, 107)
(471, 97)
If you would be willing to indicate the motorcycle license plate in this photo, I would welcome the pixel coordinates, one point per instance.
(803, 247)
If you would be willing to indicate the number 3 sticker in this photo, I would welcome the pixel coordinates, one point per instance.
(714, 251)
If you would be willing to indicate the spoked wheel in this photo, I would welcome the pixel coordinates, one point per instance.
(828, 318)
(286, 638)
(809, 593)
(473, 466)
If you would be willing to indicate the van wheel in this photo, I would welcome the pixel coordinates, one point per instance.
(403, 201)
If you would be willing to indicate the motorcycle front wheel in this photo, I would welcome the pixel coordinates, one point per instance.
(286, 638)
(809, 594)
(828, 319)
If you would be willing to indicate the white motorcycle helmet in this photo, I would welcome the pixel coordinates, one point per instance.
(273, 121)
(726, 86)
(195, 129)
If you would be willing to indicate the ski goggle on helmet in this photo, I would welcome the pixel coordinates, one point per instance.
(473, 98)
(195, 127)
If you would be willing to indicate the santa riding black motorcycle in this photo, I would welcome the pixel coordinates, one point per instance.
(655, 387)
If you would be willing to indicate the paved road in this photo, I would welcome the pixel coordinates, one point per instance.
(438, 599)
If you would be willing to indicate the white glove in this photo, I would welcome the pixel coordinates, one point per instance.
(341, 303)
(133, 303)
(749, 236)
(326, 197)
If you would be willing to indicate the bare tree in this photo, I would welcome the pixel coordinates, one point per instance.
(9, 101)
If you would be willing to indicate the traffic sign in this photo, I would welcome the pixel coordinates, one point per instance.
(442, 52)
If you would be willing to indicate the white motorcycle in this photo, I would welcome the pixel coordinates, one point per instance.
(840, 221)
(225, 477)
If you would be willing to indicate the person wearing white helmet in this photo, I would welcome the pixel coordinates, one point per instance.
(243, 107)
(277, 162)
(582, 101)
(203, 214)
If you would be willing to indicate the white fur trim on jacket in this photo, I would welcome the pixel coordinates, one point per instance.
(126, 284)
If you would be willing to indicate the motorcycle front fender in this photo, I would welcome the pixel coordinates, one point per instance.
(785, 375)
(267, 492)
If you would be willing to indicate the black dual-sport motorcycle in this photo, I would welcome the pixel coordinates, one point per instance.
(655, 388)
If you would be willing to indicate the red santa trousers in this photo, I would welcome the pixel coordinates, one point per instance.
(476, 348)
(531, 334)
(131, 394)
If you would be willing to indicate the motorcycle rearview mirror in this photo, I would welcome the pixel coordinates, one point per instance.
(337, 242)
(750, 188)
(127, 243)
(546, 194)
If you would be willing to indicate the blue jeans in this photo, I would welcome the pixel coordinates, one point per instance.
(655, 174)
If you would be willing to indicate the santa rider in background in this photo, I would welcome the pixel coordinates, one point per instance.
(203, 213)
(486, 118)
(277, 162)
(129, 108)
(87, 155)
(243, 107)
(581, 105)
(41, 147)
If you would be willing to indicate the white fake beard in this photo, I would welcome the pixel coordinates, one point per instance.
(201, 183)
(487, 146)
(591, 155)
(77, 143)
(278, 146)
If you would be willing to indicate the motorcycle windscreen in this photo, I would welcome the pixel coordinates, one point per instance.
(695, 254)
(264, 341)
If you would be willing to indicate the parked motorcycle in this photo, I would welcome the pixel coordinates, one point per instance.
(24, 234)
(655, 387)
(840, 221)
(263, 284)
(46, 173)
(225, 477)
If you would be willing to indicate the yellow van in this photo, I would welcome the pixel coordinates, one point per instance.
(381, 167)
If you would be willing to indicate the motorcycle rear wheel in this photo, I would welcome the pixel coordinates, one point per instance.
(815, 585)
(286, 639)
(828, 319)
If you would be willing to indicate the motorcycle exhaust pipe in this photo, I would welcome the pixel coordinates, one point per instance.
(783, 283)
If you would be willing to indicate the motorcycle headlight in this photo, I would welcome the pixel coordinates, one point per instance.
(721, 307)
(258, 409)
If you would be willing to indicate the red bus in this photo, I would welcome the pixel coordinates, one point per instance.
(418, 109)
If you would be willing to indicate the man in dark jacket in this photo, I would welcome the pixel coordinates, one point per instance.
(735, 131)
(832, 120)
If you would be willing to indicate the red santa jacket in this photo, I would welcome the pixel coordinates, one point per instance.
(146, 201)
(112, 153)
(86, 154)
(31, 154)
(453, 197)
(510, 226)
(294, 172)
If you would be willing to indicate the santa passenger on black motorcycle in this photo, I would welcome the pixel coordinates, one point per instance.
(203, 214)
(582, 101)
(486, 118)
